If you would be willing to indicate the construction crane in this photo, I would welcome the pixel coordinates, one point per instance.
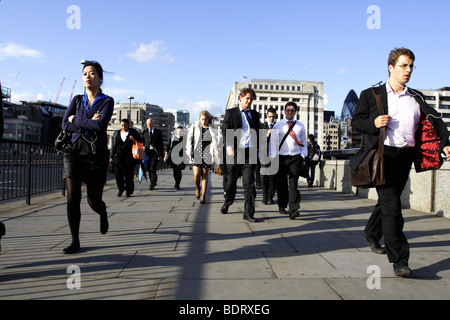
(59, 91)
(73, 89)
(15, 80)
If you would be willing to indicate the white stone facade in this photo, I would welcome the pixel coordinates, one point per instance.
(308, 95)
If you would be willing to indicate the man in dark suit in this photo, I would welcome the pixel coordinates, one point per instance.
(240, 133)
(269, 183)
(153, 143)
(405, 109)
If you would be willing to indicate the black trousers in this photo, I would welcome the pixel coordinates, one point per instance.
(247, 170)
(124, 174)
(151, 166)
(287, 182)
(177, 175)
(269, 185)
(387, 219)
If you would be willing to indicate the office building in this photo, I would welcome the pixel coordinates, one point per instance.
(308, 95)
(440, 100)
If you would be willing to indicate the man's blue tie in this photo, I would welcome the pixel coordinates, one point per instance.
(246, 112)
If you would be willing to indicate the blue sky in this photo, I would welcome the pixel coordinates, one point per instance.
(184, 54)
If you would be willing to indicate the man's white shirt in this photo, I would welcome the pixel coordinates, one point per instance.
(289, 147)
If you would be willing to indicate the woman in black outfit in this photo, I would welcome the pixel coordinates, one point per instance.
(177, 166)
(121, 157)
(86, 159)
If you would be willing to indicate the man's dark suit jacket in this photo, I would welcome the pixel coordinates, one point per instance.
(156, 142)
(233, 120)
(367, 111)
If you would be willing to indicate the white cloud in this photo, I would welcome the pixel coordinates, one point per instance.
(154, 51)
(342, 70)
(118, 78)
(16, 97)
(195, 108)
(13, 50)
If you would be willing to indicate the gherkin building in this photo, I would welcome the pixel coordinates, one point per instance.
(349, 107)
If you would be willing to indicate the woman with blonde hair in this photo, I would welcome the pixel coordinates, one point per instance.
(203, 150)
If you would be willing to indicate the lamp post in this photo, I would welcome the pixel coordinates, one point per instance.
(129, 115)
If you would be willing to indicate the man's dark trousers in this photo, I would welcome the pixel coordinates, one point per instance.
(287, 182)
(246, 168)
(387, 219)
(151, 165)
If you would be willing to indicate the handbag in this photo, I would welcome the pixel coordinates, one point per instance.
(62, 140)
(370, 172)
(138, 151)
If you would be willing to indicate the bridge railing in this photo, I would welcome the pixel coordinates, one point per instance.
(28, 168)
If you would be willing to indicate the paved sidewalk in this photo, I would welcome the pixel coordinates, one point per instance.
(165, 245)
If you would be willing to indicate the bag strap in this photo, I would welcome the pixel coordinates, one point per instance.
(287, 133)
(382, 137)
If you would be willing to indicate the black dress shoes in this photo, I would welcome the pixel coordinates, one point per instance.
(282, 211)
(374, 245)
(249, 218)
(224, 209)
(104, 225)
(294, 214)
(401, 269)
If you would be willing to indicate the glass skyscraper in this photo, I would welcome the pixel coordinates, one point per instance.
(349, 107)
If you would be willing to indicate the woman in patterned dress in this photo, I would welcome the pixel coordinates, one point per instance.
(203, 150)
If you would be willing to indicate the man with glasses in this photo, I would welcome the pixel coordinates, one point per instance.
(290, 135)
(405, 109)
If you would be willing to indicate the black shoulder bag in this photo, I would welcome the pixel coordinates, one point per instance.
(64, 137)
(370, 172)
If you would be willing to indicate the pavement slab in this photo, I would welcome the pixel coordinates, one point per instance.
(165, 245)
